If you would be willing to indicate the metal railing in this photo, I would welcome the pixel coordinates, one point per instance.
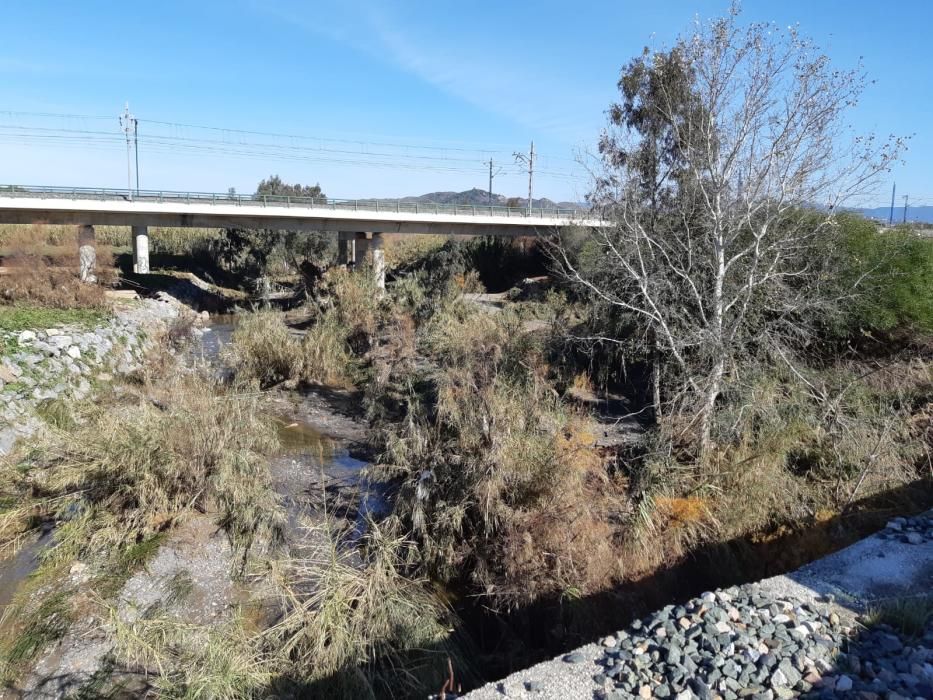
(369, 205)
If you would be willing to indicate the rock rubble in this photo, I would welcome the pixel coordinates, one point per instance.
(915, 530)
(741, 643)
(61, 363)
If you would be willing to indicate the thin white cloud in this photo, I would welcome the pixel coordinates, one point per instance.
(505, 83)
(16, 65)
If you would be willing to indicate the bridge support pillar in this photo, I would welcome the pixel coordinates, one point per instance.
(141, 250)
(87, 254)
(379, 260)
(362, 247)
(346, 248)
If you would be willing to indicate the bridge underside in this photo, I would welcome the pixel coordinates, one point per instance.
(337, 217)
(276, 221)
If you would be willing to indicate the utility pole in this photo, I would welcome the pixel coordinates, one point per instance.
(127, 121)
(489, 195)
(906, 205)
(491, 176)
(891, 215)
(136, 148)
(530, 160)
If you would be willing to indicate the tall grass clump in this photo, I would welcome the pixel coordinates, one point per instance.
(44, 272)
(125, 473)
(494, 468)
(262, 348)
(355, 626)
(909, 616)
(186, 660)
(402, 250)
(350, 624)
(356, 301)
(324, 354)
(788, 445)
(345, 323)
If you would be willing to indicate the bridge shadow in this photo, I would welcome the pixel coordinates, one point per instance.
(558, 624)
(503, 644)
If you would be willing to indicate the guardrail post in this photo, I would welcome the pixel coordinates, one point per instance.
(288, 201)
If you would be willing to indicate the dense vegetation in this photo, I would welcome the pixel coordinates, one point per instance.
(723, 364)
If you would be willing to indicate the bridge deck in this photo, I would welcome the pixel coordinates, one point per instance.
(20, 205)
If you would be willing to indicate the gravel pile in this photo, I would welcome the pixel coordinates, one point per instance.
(915, 530)
(740, 643)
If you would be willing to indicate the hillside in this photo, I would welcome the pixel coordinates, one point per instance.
(481, 197)
(921, 214)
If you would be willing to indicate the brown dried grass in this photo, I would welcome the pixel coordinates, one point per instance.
(43, 271)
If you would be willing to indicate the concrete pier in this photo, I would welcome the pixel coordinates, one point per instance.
(346, 248)
(379, 260)
(141, 250)
(362, 246)
(87, 253)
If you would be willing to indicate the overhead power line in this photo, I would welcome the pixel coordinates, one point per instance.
(166, 146)
(258, 145)
(303, 137)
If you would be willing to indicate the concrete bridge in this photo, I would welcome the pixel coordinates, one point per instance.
(359, 223)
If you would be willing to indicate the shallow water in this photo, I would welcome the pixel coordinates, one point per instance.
(312, 469)
(16, 569)
(216, 335)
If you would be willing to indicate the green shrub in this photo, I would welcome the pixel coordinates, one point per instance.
(892, 275)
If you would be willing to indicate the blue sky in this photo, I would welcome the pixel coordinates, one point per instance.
(439, 87)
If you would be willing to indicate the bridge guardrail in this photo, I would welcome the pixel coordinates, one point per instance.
(374, 205)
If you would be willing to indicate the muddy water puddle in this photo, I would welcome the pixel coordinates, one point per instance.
(16, 569)
(316, 476)
(314, 473)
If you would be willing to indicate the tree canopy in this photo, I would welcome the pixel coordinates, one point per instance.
(724, 164)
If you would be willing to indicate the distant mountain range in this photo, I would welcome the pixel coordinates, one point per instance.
(921, 214)
(481, 198)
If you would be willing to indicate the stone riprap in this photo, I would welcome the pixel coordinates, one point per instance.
(60, 363)
(789, 636)
(741, 642)
(916, 530)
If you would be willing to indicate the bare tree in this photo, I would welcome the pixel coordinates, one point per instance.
(724, 164)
